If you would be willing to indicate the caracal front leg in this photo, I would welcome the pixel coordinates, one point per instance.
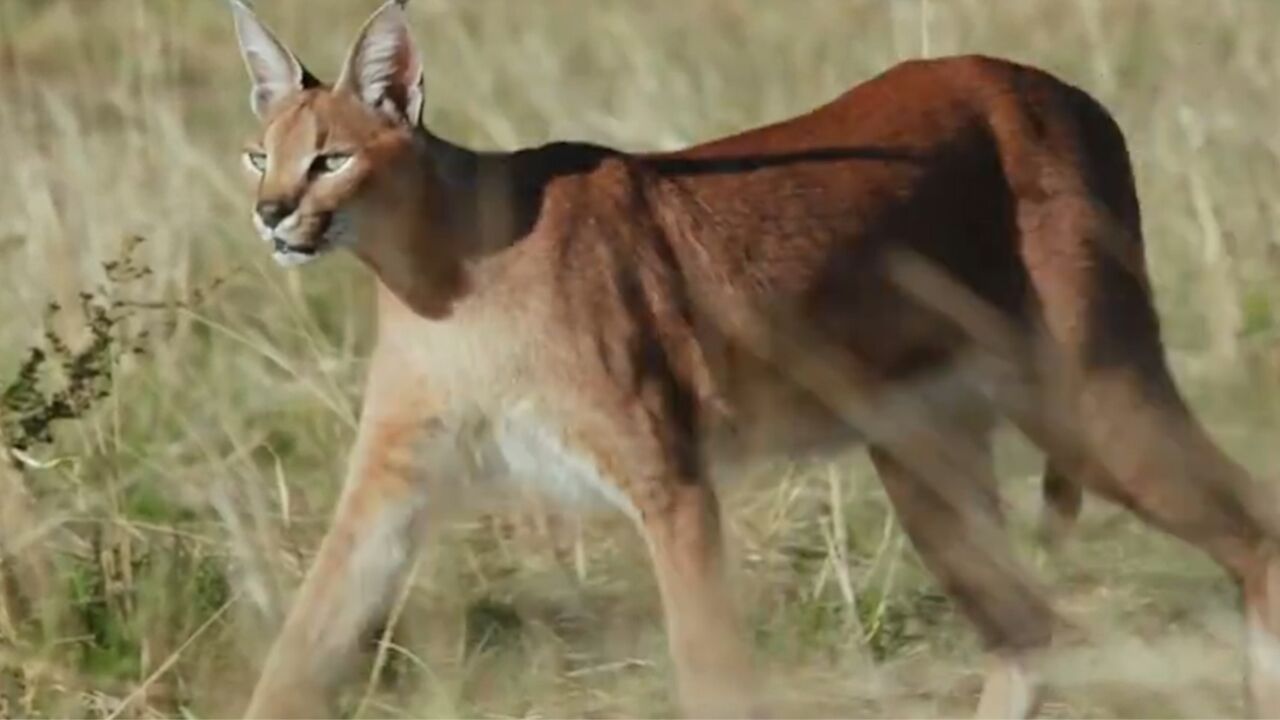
(681, 524)
(360, 564)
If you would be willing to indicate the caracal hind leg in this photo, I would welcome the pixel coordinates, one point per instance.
(1160, 462)
(942, 487)
(360, 563)
(1113, 417)
(681, 525)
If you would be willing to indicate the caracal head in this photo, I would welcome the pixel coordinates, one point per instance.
(323, 150)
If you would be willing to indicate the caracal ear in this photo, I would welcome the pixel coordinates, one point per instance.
(274, 70)
(384, 68)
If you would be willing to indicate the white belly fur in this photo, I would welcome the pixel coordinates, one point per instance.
(534, 451)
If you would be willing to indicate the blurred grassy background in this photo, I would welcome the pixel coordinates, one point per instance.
(150, 549)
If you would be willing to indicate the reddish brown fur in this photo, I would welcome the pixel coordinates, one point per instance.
(952, 241)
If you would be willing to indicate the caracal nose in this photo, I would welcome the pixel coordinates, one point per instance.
(273, 212)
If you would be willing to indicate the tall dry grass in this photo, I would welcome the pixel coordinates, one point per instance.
(150, 550)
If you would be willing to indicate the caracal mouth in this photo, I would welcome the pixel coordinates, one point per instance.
(287, 255)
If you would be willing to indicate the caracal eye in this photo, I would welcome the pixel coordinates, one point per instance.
(330, 163)
(257, 160)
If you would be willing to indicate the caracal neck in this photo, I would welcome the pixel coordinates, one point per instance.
(410, 233)
(473, 300)
(480, 353)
